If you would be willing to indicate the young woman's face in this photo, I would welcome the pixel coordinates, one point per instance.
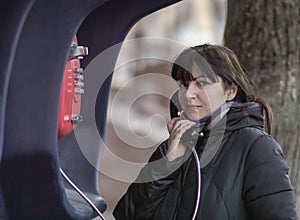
(201, 97)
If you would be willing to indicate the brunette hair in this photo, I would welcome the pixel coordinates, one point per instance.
(211, 60)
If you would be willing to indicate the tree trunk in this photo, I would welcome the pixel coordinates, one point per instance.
(265, 35)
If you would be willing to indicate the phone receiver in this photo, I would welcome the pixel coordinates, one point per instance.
(191, 136)
(175, 106)
(71, 91)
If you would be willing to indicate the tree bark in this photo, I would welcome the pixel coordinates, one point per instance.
(265, 35)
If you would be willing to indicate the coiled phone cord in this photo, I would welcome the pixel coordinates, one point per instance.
(82, 194)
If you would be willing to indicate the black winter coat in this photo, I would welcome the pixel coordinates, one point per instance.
(247, 177)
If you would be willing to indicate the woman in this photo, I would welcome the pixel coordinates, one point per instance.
(243, 172)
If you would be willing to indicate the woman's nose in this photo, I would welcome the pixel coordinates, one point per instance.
(191, 90)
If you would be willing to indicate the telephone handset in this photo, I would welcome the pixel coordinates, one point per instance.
(190, 137)
(71, 91)
(175, 107)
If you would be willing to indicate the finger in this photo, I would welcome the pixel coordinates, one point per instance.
(179, 129)
(182, 123)
(176, 134)
(172, 122)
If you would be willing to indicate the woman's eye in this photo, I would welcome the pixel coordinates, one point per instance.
(185, 85)
(202, 83)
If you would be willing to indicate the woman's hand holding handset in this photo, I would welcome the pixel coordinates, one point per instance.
(177, 127)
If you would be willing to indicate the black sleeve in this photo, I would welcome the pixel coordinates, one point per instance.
(267, 190)
(144, 196)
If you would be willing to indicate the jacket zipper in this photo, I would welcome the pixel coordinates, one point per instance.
(182, 186)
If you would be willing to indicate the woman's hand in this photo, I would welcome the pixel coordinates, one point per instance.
(176, 127)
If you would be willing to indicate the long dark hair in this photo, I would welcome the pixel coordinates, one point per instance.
(211, 60)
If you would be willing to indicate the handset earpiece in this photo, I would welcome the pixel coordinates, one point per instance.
(175, 107)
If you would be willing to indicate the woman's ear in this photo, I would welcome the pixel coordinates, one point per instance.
(231, 93)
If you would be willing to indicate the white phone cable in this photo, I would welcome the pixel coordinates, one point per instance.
(198, 175)
(199, 183)
(82, 194)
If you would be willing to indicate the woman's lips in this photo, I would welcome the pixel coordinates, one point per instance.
(194, 106)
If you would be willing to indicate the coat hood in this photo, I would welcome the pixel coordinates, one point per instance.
(244, 115)
(228, 118)
(239, 116)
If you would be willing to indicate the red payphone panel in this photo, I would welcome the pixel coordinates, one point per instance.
(71, 91)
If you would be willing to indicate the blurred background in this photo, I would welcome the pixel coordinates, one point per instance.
(141, 87)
